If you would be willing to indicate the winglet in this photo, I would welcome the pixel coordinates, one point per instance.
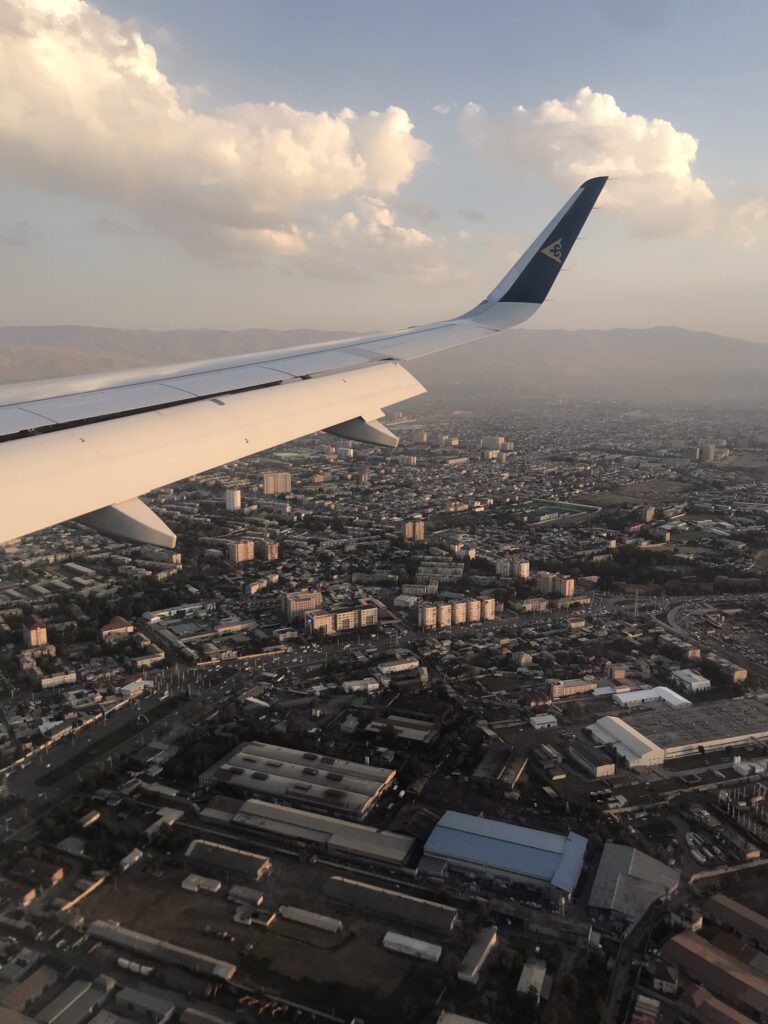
(524, 288)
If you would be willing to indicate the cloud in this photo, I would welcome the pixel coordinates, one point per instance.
(89, 112)
(654, 187)
(389, 247)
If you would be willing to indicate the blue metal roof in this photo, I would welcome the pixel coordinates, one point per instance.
(543, 856)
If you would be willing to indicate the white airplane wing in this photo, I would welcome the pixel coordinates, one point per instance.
(86, 447)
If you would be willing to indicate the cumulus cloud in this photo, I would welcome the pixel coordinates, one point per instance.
(88, 112)
(651, 161)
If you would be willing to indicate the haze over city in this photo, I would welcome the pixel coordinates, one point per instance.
(383, 512)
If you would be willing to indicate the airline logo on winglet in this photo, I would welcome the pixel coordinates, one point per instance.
(554, 251)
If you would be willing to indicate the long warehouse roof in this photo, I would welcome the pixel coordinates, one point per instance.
(543, 856)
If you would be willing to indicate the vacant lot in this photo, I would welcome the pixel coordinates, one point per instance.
(158, 906)
(656, 491)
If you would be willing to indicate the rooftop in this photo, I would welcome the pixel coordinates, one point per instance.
(544, 856)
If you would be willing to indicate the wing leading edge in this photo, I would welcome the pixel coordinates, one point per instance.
(87, 447)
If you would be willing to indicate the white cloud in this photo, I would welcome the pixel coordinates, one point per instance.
(650, 161)
(87, 111)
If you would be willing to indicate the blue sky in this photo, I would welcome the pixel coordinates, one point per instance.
(113, 212)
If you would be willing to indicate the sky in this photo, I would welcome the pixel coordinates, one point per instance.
(352, 165)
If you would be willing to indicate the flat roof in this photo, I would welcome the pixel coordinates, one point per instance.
(302, 777)
(335, 833)
(715, 721)
(544, 856)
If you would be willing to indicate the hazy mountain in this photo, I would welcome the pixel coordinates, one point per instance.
(659, 363)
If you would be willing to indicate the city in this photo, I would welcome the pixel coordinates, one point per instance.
(488, 715)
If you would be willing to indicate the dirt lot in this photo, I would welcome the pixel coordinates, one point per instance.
(659, 490)
(161, 908)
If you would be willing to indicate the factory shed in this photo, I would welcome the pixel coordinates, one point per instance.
(744, 920)
(78, 1002)
(629, 881)
(300, 777)
(392, 904)
(497, 849)
(344, 838)
(145, 1005)
(228, 859)
(735, 982)
(157, 949)
(478, 953)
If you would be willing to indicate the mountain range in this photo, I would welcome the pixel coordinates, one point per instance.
(658, 364)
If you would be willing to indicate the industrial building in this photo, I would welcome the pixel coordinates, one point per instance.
(332, 835)
(228, 859)
(392, 904)
(78, 1002)
(730, 914)
(477, 954)
(301, 777)
(629, 881)
(650, 695)
(662, 733)
(416, 948)
(691, 681)
(739, 984)
(496, 849)
(625, 742)
(595, 763)
(157, 949)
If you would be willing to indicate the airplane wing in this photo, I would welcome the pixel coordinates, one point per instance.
(86, 448)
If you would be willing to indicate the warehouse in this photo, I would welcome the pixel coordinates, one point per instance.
(737, 983)
(228, 859)
(78, 1002)
(392, 904)
(332, 835)
(477, 954)
(629, 881)
(496, 849)
(301, 777)
(744, 920)
(625, 742)
(157, 949)
(662, 733)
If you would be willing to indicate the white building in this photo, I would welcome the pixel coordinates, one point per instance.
(628, 744)
(233, 499)
(691, 681)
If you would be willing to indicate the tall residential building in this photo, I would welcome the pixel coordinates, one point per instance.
(240, 551)
(233, 499)
(521, 567)
(268, 550)
(474, 609)
(488, 608)
(545, 582)
(276, 483)
(427, 616)
(565, 586)
(34, 631)
(444, 616)
(414, 530)
(300, 601)
(504, 568)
